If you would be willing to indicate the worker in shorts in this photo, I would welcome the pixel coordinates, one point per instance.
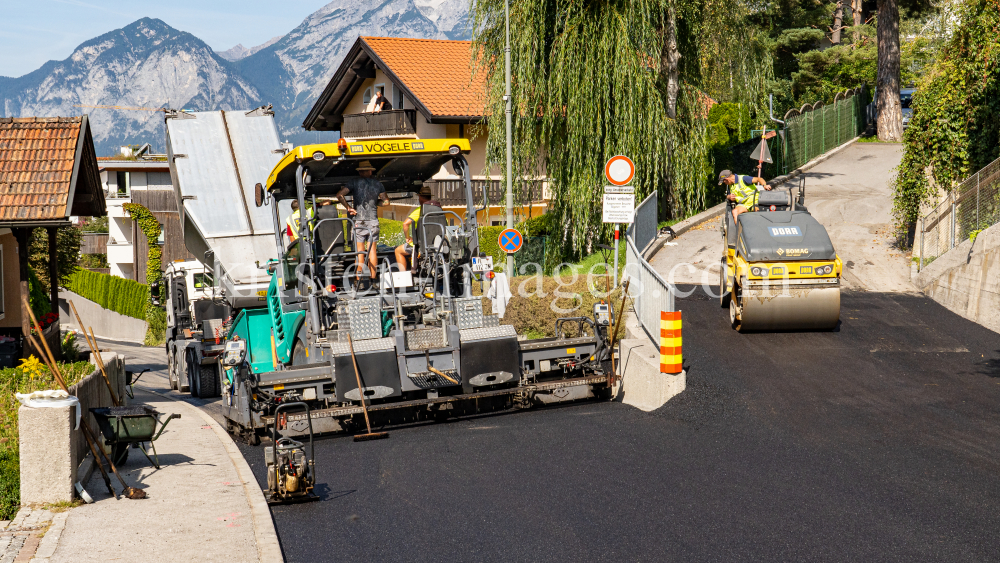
(367, 194)
(405, 250)
(742, 190)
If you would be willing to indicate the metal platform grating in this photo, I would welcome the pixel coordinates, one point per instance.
(469, 312)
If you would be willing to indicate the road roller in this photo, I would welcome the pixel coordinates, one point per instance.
(779, 268)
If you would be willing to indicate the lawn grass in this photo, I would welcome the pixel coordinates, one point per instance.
(32, 376)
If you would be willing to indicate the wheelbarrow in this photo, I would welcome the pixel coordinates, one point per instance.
(124, 426)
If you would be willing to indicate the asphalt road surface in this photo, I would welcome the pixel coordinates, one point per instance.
(879, 441)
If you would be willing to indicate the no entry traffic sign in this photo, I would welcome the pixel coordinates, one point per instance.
(619, 170)
(510, 240)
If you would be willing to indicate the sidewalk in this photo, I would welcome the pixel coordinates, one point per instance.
(203, 504)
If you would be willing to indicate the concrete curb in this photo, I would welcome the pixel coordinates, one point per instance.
(713, 212)
(268, 546)
(47, 547)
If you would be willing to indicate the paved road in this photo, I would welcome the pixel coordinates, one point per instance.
(876, 442)
(850, 194)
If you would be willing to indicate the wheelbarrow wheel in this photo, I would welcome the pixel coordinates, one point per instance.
(119, 454)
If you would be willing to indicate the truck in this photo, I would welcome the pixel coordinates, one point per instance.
(195, 321)
(215, 160)
(416, 344)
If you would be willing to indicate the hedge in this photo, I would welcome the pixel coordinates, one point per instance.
(120, 295)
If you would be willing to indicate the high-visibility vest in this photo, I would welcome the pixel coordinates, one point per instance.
(292, 224)
(746, 194)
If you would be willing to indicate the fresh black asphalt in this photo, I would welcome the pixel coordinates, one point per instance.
(876, 442)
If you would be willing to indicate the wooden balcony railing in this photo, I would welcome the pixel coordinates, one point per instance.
(389, 123)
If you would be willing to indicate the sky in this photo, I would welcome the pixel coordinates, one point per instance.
(37, 31)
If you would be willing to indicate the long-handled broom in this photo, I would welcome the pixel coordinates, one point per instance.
(50, 359)
(370, 435)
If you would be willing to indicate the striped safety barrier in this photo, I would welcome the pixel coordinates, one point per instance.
(671, 358)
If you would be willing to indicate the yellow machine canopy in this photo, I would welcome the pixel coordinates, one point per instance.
(401, 165)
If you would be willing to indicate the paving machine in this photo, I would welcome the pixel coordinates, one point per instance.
(421, 342)
(780, 270)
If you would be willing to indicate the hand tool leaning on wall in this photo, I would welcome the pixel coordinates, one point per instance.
(50, 360)
(92, 343)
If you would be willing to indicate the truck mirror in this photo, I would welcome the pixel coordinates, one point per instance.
(259, 194)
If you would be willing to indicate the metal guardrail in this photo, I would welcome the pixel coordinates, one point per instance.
(974, 205)
(644, 227)
(650, 292)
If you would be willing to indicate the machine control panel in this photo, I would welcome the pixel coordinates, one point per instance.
(236, 351)
(602, 314)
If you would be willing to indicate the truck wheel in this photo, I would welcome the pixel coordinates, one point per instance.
(192, 375)
(171, 366)
(208, 381)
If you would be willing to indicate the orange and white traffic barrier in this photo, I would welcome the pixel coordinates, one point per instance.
(671, 358)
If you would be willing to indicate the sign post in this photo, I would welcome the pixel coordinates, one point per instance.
(619, 198)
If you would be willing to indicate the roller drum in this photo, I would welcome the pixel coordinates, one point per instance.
(780, 308)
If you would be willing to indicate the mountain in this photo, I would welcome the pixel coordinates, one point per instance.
(240, 52)
(145, 64)
(150, 64)
(450, 16)
(293, 72)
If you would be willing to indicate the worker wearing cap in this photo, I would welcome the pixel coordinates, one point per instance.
(405, 250)
(742, 190)
(367, 194)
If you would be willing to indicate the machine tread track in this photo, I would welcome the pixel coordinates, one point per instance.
(543, 386)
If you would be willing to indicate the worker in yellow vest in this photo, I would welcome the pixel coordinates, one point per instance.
(292, 222)
(742, 190)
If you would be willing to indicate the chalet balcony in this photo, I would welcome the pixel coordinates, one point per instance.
(391, 123)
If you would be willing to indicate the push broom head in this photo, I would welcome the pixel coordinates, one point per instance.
(371, 436)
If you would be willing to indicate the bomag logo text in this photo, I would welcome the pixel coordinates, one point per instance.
(793, 251)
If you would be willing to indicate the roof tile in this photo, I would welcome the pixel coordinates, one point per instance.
(37, 155)
(437, 71)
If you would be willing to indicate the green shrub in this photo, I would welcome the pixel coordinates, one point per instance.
(489, 245)
(37, 296)
(120, 295)
(156, 333)
(390, 232)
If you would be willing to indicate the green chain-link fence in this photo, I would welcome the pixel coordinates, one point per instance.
(814, 129)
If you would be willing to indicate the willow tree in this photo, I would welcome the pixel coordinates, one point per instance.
(592, 79)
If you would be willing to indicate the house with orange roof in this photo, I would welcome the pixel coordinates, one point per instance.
(434, 93)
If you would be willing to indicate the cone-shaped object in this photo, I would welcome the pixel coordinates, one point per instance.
(761, 154)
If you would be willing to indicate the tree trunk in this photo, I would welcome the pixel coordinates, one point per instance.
(838, 23)
(669, 61)
(857, 16)
(890, 114)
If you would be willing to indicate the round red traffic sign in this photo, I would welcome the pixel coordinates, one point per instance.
(619, 170)
(510, 240)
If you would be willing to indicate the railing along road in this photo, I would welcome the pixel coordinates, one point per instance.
(974, 205)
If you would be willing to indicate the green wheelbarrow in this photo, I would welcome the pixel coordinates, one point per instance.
(124, 426)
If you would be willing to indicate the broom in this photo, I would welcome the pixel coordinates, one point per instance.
(361, 392)
(50, 360)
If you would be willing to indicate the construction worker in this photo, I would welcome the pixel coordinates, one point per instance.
(405, 250)
(292, 222)
(743, 190)
(367, 194)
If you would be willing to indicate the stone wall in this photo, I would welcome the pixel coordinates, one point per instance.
(966, 279)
